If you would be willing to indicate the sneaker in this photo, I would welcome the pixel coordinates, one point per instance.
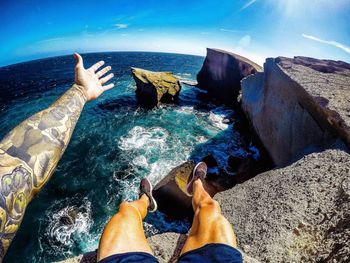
(146, 188)
(199, 172)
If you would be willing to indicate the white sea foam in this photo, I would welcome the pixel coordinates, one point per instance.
(140, 161)
(61, 234)
(128, 188)
(185, 76)
(217, 115)
(216, 120)
(201, 139)
(140, 137)
(186, 110)
(162, 167)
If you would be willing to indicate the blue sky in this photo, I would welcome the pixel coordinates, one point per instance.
(253, 28)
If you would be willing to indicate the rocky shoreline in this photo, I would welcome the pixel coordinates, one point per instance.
(300, 110)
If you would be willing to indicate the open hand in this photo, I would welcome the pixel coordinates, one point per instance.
(90, 79)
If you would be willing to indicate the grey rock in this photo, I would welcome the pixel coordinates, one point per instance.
(222, 72)
(295, 110)
(300, 213)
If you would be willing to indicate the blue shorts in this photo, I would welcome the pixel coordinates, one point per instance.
(209, 253)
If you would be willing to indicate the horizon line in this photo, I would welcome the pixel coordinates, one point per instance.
(94, 52)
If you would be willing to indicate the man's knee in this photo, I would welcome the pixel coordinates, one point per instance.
(209, 207)
(209, 203)
(127, 209)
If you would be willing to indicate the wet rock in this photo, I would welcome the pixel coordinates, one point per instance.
(227, 121)
(210, 161)
(222, 72)
(243, 167)
(233, 162)
(298, 106)
(66, 220)
(152, 88)
(70, 217)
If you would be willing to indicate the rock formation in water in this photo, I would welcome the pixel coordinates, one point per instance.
(222, 72)
(152, 88)
(298, 106)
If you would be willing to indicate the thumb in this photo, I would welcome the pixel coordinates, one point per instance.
(79, 60)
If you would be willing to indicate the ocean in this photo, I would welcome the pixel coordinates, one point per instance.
(114, 145)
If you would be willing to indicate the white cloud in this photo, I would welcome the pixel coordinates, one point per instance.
(328, 42)
(51, 39)
(244, 41)
(228, 30)
(248, 4)
(121, 26)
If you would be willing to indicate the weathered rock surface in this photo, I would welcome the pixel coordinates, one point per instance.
(222, 72)
(296, 108)
(155, 87)
(300, 213)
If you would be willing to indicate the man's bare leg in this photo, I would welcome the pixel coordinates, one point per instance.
(124, 232)
(209, 225)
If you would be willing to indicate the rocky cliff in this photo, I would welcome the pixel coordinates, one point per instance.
(298, 106)
(300, 212)
(222, 73)
(152, 88)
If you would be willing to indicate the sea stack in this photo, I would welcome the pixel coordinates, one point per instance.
(222, 72)
(155, 87)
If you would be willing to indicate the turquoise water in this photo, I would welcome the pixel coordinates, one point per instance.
(114, 145)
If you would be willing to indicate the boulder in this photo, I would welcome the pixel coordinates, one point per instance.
(298, 106)
(152, 88)
(222, 73)
(170, 192)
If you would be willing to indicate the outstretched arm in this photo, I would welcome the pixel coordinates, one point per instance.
(30, 152)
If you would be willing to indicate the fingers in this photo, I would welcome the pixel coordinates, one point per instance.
(96, 66)
(107, 78)
(107, 87)
(79, 60)
(103, 71)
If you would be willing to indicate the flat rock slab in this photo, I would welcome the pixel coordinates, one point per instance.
(296, 108)
(155, 87)
(328, 82)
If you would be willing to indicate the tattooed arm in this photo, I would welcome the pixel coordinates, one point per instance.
(30, 152)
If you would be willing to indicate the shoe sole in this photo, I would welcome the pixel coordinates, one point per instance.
(193, 176)
(150, 196)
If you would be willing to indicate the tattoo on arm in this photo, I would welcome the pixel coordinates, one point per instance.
(28, 156)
